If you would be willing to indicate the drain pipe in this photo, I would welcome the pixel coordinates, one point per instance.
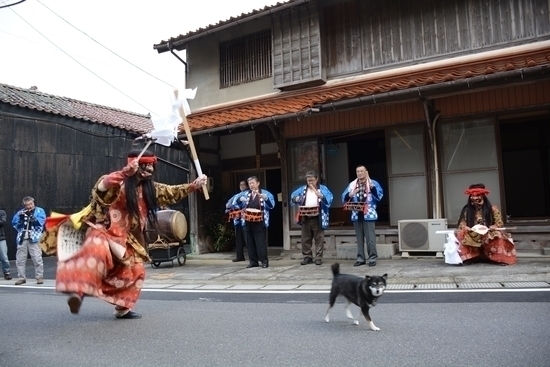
(171, 48)
(436, 169)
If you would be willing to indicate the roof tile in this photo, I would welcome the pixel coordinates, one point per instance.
(63, 106)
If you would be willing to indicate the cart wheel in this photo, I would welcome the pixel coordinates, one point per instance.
(182, 256)
(155, 264)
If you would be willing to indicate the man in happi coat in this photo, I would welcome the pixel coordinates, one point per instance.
(312, 195)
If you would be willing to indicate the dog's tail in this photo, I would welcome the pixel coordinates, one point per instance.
(335, 269)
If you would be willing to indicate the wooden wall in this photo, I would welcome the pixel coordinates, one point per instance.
(57, 160)
(489, 101)
(363, 35)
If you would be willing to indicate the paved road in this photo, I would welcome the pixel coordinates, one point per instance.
(189, 328)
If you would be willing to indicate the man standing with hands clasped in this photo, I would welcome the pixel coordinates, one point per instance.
(316, 199)
(364, 190)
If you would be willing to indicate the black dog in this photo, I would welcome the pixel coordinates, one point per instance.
(363, 292)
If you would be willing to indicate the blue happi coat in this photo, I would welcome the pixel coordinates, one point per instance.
(35, 224)
(298, 198)
(374, 196)
(229, 207)
(265, 205)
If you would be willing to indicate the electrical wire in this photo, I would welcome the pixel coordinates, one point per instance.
(8, 5)
(105, 47)
(84, 66)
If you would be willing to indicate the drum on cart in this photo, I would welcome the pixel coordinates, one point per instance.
(172, 225)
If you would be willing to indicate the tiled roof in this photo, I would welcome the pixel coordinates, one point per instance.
(296, 102)
(162, 46)
(35, 100)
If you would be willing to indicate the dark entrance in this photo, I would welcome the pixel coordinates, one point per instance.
(370, 150)
(526, 168)
(273, 184)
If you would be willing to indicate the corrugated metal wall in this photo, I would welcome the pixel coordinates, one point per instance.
(57, 160)
(488, 101)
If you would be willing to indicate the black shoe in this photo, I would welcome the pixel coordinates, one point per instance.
(359, 263)
(318, 262)
(372, 263)
(74, 302)
(130, 315)
(265, 265)
(236, 260)
(252, 266)
(307, 260)
(7, 276)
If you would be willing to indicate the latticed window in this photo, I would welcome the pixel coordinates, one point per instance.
(245, 59)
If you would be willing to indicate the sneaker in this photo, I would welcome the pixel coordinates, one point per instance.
(39, 281)
(20, 281)
(7, 276)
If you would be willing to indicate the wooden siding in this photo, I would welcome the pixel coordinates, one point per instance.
(342, 38)
(489, 101)
(366, 35)
(361, 118)
(57, 160)
(297, 47)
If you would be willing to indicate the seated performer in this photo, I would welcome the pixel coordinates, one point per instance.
(495, 245)
(109, 265)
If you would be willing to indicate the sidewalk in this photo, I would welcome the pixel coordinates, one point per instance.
(217, 272)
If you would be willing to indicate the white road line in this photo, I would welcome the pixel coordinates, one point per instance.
(296, 291)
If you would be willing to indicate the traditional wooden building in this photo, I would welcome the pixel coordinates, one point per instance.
(55, 148)
(431, 96)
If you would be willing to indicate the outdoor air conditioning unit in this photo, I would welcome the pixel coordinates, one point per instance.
(419, 235)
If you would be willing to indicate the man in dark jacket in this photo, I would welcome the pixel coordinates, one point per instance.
(4, 247)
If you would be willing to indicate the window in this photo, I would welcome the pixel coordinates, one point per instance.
(245, 59)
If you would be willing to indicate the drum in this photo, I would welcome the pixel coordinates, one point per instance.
(235, 214)
(308, 211)
(172, 225)
(357, 207)
(253, 215)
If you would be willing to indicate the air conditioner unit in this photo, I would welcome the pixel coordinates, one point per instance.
(419, 235)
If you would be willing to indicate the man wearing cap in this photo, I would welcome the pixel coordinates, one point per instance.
(110, 264)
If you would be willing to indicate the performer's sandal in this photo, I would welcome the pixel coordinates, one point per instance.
(74, 302)
(128, 315)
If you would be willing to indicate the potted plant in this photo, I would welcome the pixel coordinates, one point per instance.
(221, 231)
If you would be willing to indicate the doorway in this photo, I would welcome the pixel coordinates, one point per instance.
(273, 184)
(526, 168)
(370, 150)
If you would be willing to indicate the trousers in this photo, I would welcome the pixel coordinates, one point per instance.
(4, 256)
(365, 230)
(312, 231)
(35, 252)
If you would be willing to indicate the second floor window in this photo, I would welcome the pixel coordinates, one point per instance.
(245, 59)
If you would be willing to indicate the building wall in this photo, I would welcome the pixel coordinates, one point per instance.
(57, 160)
(500, 99)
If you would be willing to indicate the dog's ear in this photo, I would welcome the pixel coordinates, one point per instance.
(385, 276)
(367, 277)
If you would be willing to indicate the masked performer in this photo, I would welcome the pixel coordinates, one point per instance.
(314, 200)
(478, 230)
(110, 263)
